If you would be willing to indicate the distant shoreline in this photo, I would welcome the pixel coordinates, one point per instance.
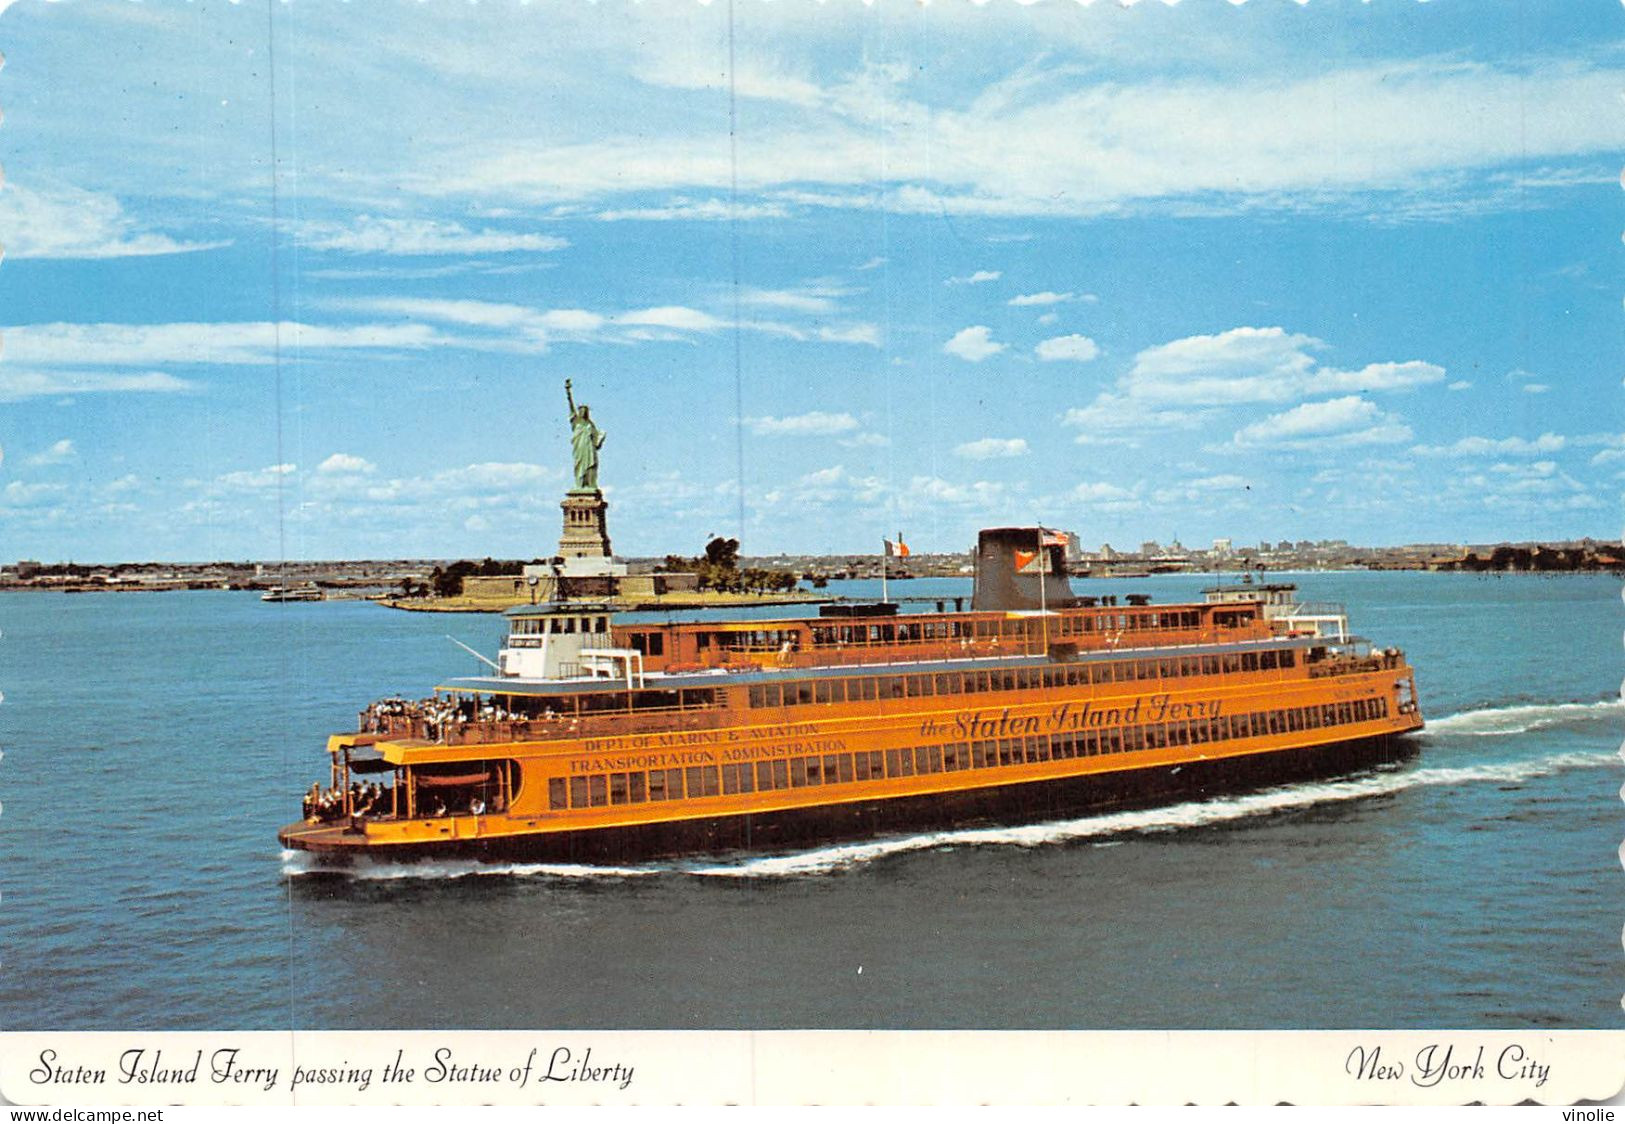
(685, 601)
(638, 605)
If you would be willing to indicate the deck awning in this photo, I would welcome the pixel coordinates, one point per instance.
(369, 765)
(451, 780)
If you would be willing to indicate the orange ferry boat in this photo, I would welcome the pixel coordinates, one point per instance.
(594, 741)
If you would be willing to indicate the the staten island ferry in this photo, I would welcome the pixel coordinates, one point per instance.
(596, 741)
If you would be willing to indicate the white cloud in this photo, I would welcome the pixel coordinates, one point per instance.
(60, 452)
(511, 327)
(1244, 365)
(255, 480)
(1049, 318)
(836, 487)
(1527, 381)
(1491, 446)
(812, 301)
(928, 491)
(973, 344)
(1057, 141)
(17, 384)
(1031, 300)
(1113, 419)
(1100, 491)
(18, 494)
(980, 277)
(866, 441)
(254, 342)
(1239, 365)
(705, 210)
(469, 313)
(852, 333)
(1460, 384)
(72, 223)
(1105, 498)
(1376, 377)
(1224, 482)
(345, 463)
(747, 78)
(674, 317)
(833, 485)
(1338, 422)
(1613, 446)
(571, 320)
(382, 272)
(1204, 489)
(368, 234)
(990, 448)
(814, 424)
(492, 484)
(1078, 348)
(1533, 470)
(493, 474)
(873, 263)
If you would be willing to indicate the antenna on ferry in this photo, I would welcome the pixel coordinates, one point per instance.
(489, 663)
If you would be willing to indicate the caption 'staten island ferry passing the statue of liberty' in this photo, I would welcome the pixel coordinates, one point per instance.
(595, 741)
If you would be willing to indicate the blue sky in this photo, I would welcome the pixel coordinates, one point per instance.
(307, 281)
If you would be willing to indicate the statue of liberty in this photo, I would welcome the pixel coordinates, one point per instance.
(585, 441)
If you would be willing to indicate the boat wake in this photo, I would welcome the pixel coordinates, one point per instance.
(1107, 829)
(1174, 817)
(298, 863)
(1503, 720)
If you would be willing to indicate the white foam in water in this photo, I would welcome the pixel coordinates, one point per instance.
(295, 863)
(1502, 720)
(1172, 817)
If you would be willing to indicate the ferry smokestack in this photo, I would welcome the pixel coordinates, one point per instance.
(1013, 571)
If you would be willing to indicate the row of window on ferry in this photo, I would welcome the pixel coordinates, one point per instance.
(557, 626)
(600, 789)
(868, 688)
(938, 629)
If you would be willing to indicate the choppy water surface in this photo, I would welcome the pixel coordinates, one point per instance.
(154, 744)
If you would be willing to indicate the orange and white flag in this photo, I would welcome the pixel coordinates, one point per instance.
(898, 549)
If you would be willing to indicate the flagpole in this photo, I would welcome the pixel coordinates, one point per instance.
(885, 556)
(1043, 600)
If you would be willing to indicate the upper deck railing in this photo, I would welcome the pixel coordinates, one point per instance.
(1039, 641)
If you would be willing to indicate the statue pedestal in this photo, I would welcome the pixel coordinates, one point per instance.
(586, 533)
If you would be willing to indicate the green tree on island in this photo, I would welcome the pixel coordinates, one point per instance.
(718, 570)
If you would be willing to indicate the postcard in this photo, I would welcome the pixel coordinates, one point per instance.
(810, 553)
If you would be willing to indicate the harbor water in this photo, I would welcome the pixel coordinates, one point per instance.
(154, 743)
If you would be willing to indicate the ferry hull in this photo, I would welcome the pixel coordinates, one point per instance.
(1001, 805)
